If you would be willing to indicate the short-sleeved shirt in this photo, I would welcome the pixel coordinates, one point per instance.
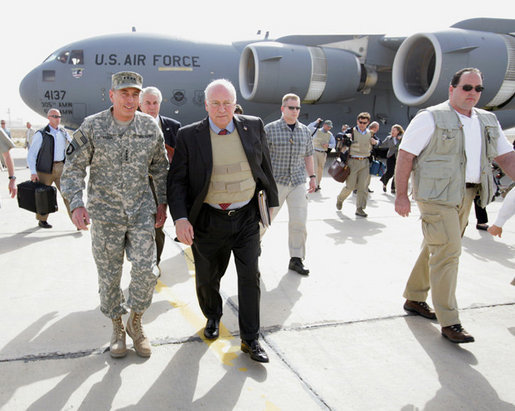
(5, 142)
(420, 130)
(287, 151)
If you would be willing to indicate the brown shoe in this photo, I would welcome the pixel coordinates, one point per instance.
(117, 347)
(135, 331)
(420, 308)
(360, 212)
(457, 334)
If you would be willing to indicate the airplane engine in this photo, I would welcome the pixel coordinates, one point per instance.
(425, 63)
(269, 70)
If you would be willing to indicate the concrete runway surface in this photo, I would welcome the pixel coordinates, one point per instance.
(337, 339)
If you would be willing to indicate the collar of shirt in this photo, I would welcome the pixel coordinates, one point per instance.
(230, 127)
(361, 132)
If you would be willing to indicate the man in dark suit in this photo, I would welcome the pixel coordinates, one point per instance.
(150, 103)
(220, 164)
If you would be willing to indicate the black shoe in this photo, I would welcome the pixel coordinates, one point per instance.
(44, 224)
(212, 330)
(384, 188)
(370, 191)
(297, 266)
(255, 350)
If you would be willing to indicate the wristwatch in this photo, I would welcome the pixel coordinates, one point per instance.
(313, 176)
(12, 177)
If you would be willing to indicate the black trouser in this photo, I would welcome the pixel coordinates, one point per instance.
(160, 234)
(390, 170)
(481, 215)
(216, 235)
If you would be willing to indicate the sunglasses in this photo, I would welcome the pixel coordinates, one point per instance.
(468, 87)
(293, 107)
(54, 116)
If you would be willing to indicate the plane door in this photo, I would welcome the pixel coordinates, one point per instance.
(79, 112)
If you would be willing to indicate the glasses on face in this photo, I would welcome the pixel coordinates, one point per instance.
(218, 104)
(469, 87)
(55, 116)
(363, 122)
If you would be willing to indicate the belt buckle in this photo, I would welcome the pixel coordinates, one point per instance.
(231, 212)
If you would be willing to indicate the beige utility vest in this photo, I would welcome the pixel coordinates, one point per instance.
(231, 179)
(360, 146)
(321, 137)
(439, 170)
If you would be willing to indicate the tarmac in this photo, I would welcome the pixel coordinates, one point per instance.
(337, 339)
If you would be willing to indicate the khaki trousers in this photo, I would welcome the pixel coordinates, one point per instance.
(437, 265)
(296, 198)
(48, 179)
(320, 158)
(358, 179)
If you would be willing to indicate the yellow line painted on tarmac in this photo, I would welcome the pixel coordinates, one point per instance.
(175, 69)
(222, 346)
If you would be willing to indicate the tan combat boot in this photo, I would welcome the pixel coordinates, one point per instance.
(117, 348)
(135, 331)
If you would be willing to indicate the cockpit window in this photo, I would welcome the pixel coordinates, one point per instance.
(63, 57)
(76, 57)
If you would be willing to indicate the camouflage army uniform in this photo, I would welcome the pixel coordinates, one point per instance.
(120, 202)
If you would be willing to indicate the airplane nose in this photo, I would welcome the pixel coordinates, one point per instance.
(29, 90)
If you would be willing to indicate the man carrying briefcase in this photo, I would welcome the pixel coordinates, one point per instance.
(46, 157)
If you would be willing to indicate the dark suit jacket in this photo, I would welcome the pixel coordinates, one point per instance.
(170, 128)
(190, 173)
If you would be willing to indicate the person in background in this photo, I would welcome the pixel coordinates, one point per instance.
(323, 141)
(5, 145)
(392, 144)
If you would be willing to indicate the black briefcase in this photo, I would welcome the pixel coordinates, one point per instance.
(37, 197)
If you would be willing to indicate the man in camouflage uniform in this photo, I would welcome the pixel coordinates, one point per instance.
(122, 147)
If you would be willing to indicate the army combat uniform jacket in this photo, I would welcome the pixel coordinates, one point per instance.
(120, 159)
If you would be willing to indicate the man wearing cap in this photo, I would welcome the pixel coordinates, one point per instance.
(323, 140)
(122, 147)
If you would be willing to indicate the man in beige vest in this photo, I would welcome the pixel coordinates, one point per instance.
(361, 143)
(449, 147)
(219, 165)
(323, 140)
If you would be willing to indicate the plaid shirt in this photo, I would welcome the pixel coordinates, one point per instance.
(288, 150)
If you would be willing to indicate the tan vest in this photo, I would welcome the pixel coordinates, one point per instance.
(439, 170)
(231, 179)
(321, 137)
(360, 146)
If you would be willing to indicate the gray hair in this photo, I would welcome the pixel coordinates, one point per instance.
(154, 91)
(221, 82)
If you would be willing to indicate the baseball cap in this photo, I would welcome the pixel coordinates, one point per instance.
(126, 79)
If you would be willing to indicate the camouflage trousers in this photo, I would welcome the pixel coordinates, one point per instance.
(109, 243)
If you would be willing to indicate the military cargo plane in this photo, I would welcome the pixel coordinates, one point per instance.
(336, 76)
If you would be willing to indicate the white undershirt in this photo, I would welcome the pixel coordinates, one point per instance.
(420, 130)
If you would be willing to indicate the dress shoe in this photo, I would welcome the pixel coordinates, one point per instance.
(255, 350)
(420, 308)
(361, 213)
(483, 227)
(44, 224)
(392, 191)
(339, 204)
(212, 330)
(384, 188)
(457, 334)
(296, 265)
(370, 191)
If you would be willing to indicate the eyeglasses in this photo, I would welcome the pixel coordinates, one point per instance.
(469, 87)
(293, 107)
(55, 116)
(363, 122)
(218, 104)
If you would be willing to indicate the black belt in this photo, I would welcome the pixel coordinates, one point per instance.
(229, 213)
(472, 185)
(321, 151)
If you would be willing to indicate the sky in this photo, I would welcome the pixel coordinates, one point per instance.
(31, 31)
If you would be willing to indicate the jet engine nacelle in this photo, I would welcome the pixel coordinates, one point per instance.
(425, 63)
(269, 70)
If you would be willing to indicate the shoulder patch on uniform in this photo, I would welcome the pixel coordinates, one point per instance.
(79, 140)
